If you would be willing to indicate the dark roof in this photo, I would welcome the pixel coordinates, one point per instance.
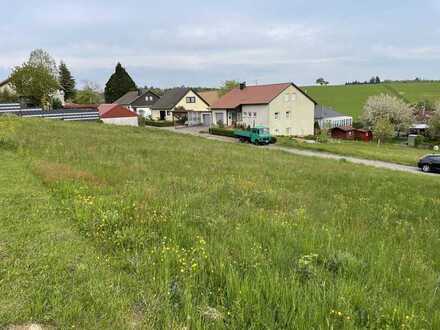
(128, 98)
(4, 82)
(260, 94)
(134, 98)
(326, 112)
(170, 98)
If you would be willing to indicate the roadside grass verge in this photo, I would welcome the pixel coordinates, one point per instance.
(387, 152)
(185, 232)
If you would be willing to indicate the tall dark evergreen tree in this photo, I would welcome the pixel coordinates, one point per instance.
(67, 82)
(119, 83)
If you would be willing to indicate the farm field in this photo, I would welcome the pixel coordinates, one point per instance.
(388, 152)
(104, 227)
(351, 99)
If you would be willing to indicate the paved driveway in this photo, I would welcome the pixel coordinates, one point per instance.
(202, 132)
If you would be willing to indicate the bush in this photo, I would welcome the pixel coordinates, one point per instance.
(141, 120)
(160, 123)
(273, 140)
(221, 132)
(419, 140)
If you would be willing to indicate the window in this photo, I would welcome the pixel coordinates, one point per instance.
(277, 115)
(244, 114)
(293, 97)
(255, 114)
(286, 98)
(191, 99)
(287, 114)
(168, 113)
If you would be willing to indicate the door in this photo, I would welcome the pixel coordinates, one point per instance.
(163, 115)
(436, 163)
(207, 119)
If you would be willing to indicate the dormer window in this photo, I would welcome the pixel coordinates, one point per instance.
(191, 99)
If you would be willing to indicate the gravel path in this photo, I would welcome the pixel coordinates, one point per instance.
(195, 131)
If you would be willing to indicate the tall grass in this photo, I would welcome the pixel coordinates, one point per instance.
(200, 234)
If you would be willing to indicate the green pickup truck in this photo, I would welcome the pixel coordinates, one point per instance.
(257, 135)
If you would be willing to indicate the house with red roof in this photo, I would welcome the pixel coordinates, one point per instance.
(284, 108)
(117, 115)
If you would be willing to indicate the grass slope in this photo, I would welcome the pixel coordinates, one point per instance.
(351, 99)
(388, 152)
(106, 227)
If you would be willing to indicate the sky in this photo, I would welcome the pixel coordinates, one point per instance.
(203, 43)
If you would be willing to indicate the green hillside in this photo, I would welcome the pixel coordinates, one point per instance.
(351, 99)
(107, 227)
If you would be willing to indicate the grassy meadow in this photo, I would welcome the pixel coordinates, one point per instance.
(350, 99)
(387, 152)
(133, 228)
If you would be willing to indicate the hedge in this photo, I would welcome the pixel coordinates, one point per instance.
(221, 132)
(161, 123)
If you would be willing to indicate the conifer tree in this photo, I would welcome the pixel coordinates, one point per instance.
(119, 84)
(67, 82)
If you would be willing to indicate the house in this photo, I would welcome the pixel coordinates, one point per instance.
(117, 115)
(326, 117)
(350, 133)
(182, 104)
(284, 108)
(5, 86)
(139, 101)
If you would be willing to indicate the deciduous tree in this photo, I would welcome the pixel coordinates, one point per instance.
(383, 129)
(391, 108)
(36, 79)
(90, 94)
(228, 86)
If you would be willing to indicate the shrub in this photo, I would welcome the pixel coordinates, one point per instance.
(221, 132)
(419, 140)
(141, 120)
(159, 123)
(273, 140)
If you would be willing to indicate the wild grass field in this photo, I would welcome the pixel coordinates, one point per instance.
(117, 228)
(387, 152)
(351, 99)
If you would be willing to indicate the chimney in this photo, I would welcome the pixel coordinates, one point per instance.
(140, 91)
(243, 85)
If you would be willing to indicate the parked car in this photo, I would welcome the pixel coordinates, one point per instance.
(430, 163)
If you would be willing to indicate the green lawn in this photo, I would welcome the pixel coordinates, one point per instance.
(351, 99)
(106, 227)
(388, 152)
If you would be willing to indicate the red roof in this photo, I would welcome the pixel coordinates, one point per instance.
(114, 111)
(261, 94)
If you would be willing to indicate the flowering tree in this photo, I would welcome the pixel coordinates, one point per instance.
(434, 122)
(390, 108)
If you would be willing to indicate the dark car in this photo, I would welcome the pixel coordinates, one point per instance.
(430, 163)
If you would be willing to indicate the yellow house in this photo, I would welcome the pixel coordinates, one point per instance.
(284, 108)
(180, 103)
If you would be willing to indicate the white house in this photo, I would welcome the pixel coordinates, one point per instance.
(116, 114)
(284, 108)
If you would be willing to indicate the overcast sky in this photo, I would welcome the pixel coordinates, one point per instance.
(195, 42)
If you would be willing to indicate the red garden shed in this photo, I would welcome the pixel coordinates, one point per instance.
(350, 133)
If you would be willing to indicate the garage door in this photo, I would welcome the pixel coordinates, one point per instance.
(207, 119)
